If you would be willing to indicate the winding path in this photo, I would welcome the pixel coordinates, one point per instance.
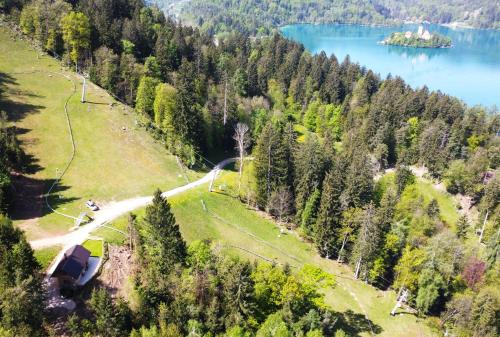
(115, 210)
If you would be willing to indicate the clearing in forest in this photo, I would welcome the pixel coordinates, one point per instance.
(114, 159)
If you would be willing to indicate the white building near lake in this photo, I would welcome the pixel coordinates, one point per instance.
(423, 33)
(420, 31)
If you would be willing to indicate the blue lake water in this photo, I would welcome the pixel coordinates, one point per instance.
(469, 70)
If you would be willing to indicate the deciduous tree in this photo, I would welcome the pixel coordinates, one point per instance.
(145, 98)
(242, 139)
(76, 34)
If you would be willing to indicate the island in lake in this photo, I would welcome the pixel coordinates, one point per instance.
(421, 39)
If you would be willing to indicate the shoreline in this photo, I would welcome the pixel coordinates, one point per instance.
(410, 46)
(452, 25)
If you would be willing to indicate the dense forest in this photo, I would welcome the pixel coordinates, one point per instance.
(261, 17)
(321, 131)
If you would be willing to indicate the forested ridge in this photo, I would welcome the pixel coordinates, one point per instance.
(319, 131)
(261, 17)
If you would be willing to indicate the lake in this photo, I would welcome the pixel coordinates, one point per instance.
(469, 70)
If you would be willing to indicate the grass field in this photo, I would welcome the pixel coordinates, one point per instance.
(425, 188)
(46, 255)
(94, 246)
(114, 158)
(234, 227)
(445, 201)
(112, 236)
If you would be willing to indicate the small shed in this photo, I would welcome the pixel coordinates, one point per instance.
(72, 266)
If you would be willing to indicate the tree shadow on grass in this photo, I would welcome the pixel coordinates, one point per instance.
(22, 92)
(28, 197)
(96, 103)
(16, 111)
(354, 324)
(5, 79)
(29, 163)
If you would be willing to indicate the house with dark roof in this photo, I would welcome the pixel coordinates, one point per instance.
(72, 266)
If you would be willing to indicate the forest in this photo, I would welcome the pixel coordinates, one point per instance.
(320, 130)
(261, 17)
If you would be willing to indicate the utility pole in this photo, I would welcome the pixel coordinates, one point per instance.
(401, 299)
(213, 179)
(83, 89)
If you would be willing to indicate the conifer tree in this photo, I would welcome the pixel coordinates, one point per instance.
(308, 216)
(162, 240)
(272, 163)
(110, 319)
(367, 243)
(462, 226)
(187, 120)
(289, 141)
(21, 294)
(358, 182)
(309, 168)
(330, 213)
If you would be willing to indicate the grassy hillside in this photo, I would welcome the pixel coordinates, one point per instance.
(45, 256)
(447, 204)
(234, 227)
(114, 159)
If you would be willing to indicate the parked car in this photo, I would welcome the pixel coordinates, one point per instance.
(92, 205)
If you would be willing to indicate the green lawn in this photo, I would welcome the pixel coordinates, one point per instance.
(424, 187)
(446, 203)
(113, 236)
(94, 246)
(114, 158)
(46, 255)
(245, 232)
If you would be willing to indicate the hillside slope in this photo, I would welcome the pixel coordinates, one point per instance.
(114, 158)
(237, 229)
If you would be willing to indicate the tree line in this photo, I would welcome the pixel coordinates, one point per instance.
(12, 158)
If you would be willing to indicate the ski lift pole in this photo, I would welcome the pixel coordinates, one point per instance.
(401, 299)
(212, 182)
(83, 89)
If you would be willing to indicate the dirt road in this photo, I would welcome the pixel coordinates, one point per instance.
(115, 210)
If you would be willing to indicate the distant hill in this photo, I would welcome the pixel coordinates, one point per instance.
(261, 16)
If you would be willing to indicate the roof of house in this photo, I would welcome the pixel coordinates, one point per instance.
(74, 261)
